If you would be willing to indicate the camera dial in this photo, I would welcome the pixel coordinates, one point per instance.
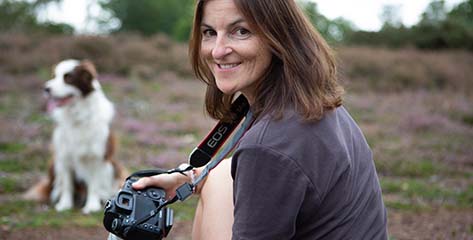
(116, 224)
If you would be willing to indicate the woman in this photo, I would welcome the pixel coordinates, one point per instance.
(304, 169)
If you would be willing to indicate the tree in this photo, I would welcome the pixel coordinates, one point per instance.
(461, 17)
(439, 28)
(435, 13)
(391, 16)
(334, 31)
(172, 17)
(22, 16)
(463, 12)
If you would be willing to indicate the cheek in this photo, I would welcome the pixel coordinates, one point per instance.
(263, 61)
(206, 55)
(206, 51)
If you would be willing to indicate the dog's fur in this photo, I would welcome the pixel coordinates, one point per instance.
(83, 143)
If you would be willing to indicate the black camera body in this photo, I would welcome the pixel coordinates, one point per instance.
(125, 213)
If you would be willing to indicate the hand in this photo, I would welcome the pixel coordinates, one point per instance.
(168, 182)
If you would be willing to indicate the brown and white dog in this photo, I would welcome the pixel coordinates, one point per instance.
(83, 143)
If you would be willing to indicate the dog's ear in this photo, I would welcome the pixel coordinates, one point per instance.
(89, 67)
(83, 76)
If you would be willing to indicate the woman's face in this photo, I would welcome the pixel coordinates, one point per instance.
(234, 53)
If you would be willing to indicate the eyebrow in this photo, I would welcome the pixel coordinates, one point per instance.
(240, 20)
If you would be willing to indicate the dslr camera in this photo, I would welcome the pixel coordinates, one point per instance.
(132, 214)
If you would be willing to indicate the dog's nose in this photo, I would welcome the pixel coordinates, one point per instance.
(47, 90)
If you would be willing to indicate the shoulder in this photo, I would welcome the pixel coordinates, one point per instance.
(292, 130)
(316, 149)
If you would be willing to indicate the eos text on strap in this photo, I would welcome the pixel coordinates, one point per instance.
(219, 134)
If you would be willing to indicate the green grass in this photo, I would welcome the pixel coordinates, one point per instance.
(421, 194)
(27, 214)
(466, 197)
(40, 118)
(44, 73)
(107, 89)
(184, 211)
(12, 147)
(21, 214)
(7, 185)
(19, 160)
(441, 142)
(14, 166)
(405, 206)
(468, 119)
(410, 168)
(155, 87)
(170, 117)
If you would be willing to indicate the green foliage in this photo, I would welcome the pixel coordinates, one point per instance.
(441, 29)
(437, 29)
(149, 17)
(16, 15)
(391, 16)
(21, 16)
(435, 13)
(334, 31)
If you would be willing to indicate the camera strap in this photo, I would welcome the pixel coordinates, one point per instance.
(206, 150)
(209, 147)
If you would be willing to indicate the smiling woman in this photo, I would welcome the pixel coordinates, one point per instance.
(232, 50)
(303, 170)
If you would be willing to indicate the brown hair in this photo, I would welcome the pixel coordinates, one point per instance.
(302, 73)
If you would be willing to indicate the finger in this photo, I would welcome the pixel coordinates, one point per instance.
(142, 183)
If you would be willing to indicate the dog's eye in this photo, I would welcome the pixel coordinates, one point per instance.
(67, 78)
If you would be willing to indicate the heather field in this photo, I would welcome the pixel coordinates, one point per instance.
(415, 108)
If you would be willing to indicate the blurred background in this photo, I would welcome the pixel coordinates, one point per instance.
(407, 67)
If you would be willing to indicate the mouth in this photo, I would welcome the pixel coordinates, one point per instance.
(55, 102)
(228, 66)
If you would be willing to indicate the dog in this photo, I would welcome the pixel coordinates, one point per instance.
(83, 143)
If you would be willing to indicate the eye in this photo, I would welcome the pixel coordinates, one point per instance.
(241, 33)
(208, 33)
(67, 78)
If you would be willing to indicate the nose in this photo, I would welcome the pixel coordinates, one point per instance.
(222, 48)
(47, 90)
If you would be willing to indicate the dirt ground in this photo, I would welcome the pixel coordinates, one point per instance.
(440, 224)
(180, 231)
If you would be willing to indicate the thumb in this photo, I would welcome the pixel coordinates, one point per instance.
(142, 183)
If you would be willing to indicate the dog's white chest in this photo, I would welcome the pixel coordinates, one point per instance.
(81, 142)
(83, 129)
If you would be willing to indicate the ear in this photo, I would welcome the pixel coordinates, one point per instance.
(88, 66)
(84, 74)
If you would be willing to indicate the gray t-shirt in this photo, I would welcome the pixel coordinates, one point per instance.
(298, 180)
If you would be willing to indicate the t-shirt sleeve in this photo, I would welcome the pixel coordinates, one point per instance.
(269, 189)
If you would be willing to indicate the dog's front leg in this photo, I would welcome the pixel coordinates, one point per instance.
(92, 204)
(65, 189)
